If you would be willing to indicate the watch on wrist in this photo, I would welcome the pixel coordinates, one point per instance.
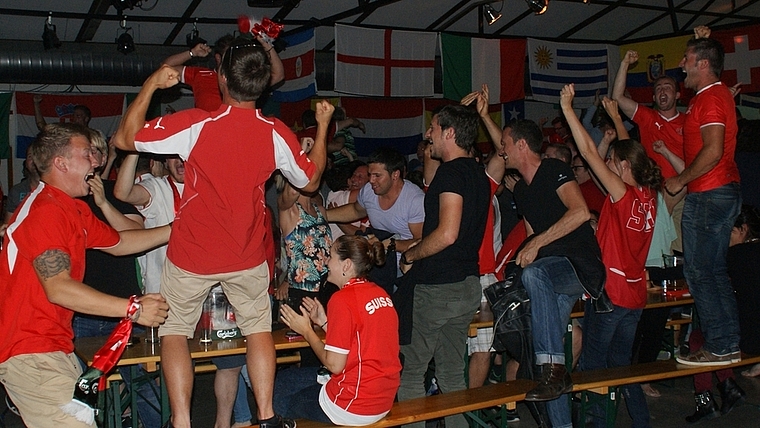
(392, 245)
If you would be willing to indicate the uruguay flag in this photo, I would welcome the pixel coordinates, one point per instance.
(554, 65)
(298, 61)
(397, 123)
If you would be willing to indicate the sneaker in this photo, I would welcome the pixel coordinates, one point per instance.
(705, 358)
(736, 357)
(494, 374)
(663, 356)
(277, 421)
(513, 416)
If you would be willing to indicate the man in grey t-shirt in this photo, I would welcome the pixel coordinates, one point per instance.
(392, 204)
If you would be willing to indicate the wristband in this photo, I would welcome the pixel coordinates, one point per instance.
(134, 309)
(191, 53)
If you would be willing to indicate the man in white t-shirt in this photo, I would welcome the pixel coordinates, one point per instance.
(157, 199)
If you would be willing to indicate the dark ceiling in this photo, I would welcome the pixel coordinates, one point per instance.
(167, 22)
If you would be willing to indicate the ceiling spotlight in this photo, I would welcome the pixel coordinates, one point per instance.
(193, 38)
(491, 14)
(125, 43)
(49, 37)
(538, 6)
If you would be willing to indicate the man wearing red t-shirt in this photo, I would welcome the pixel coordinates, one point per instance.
(665, 124)
(203, 80)
(219, 227)
(41, 270)
(712, 203)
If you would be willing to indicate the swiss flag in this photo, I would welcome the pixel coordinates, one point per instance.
(742, 62)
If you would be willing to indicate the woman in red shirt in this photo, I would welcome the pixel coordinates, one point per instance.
(361, 347)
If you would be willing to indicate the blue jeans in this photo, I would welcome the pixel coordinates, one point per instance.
(148, 407)
(241, 411)
(553, 288)
(296, 394)
(607, 342)
(706, 228)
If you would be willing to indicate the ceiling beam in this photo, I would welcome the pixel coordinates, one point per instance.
(285, 10)
(332, 19)
(526, 13)
(673, 16)
(697, 15)
(733, 13)
(90, 26)
(103, 17)
(676, 30)
(461, 14)
(178, 27)
(585, 23)
(448, 13)
(359, 20)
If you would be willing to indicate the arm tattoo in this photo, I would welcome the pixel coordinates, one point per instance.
(51, 263)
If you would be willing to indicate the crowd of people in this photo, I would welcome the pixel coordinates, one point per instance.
(389, 258)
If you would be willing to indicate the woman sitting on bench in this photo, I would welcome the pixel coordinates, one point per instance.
(361, 347)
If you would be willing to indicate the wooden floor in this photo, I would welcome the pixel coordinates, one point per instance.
(667, 411)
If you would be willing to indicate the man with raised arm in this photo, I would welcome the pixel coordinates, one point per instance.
(203, 80)
(41, 269)
(665, 123)
(445, 262)
(219, 227)
(713, 201)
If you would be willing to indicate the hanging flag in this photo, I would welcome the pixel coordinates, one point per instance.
(554, 65)
(383, 62)
(58, 108)
(469, 62)
(742, 61)
(389, 123)
(298, 62)
(5, 111)
(656, 58)
(513, 111)
(749, 101)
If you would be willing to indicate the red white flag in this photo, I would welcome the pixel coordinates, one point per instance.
(384, 63)
(742, 62)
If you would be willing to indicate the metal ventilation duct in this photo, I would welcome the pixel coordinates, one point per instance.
(78, 64)
(101, 64)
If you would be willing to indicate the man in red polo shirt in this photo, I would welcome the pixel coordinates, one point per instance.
(713, 201)
(219, 229)
(41, 270)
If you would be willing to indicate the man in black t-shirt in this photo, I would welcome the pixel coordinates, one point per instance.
(561, 261)
(445, 270)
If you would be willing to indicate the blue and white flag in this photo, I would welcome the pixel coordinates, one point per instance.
(554, 65)
(298, 62)
(749, 101)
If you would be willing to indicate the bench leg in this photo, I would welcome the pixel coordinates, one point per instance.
(606, 401)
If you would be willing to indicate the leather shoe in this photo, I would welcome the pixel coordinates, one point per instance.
(706, 408)
(730, 395)
(555, 381)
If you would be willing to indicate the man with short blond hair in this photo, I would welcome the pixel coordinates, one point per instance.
(42, 264)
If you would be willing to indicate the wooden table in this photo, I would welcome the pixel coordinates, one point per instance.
(655, 299)
(149, 355)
